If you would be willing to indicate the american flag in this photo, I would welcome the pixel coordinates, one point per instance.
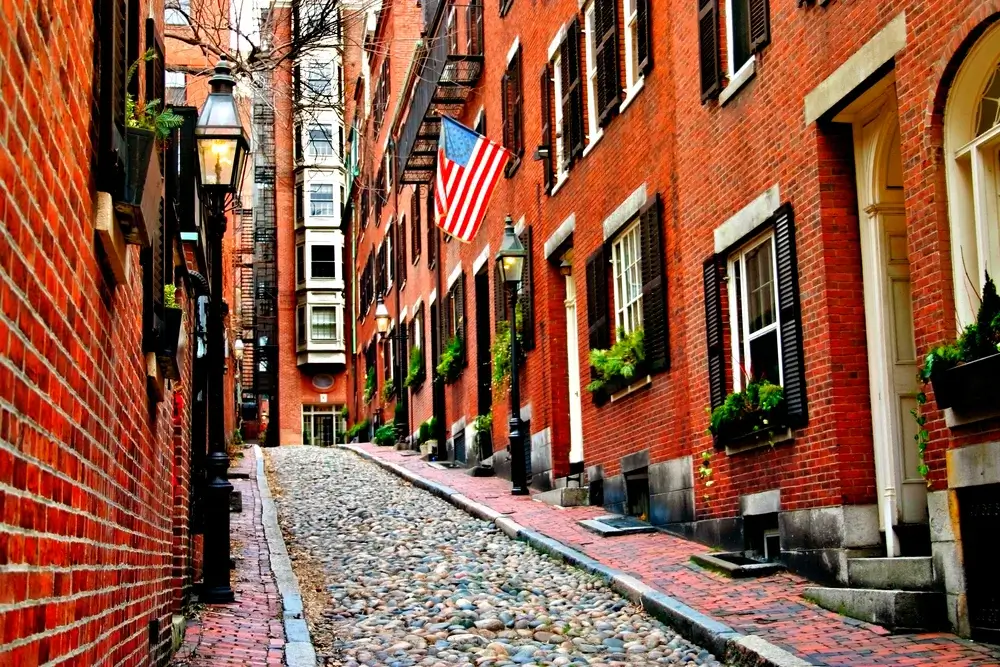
(468, 168)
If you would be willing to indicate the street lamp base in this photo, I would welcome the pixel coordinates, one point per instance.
(216, 595)
(519, 491)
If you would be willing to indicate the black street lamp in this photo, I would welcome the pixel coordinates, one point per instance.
(510, 261)
(222, 151)
(382, 318)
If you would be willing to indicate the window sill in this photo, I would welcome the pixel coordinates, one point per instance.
(631, 389)
(593, 142)
(958, 419)
(512, 167)
(738, 80)
(560, 180)
(631, 94)
(768, 438)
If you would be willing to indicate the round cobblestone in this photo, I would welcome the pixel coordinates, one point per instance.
(411, 580)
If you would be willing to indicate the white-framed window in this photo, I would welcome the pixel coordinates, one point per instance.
(626, 259)
(753, 312)
(594, 128)
(632, 72)
(302, 333)
(175, 88)
(388, 256)
(324, 323)
(321, 140)
(318, 78)
(561, 164)
(321, 199)
(417, 339)
(176, 12)
(322, 425)
(323, 261)
(300, 264)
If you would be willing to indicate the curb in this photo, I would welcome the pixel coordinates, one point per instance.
(299, 650)
(738, 649)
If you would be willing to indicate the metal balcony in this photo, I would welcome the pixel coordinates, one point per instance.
(451, 67)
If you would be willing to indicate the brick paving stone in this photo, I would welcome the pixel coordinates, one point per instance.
(770, 607)
(250, 631)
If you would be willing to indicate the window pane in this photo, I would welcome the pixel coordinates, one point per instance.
(301, 323)
(324, 261)
(741, 34)
(324, 324)
(760, 286)
(764, 357)
(321, 140)
(300, 264)
(321, 199)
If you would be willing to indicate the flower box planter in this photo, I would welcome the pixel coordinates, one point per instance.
(968, 386)
(138, 201)
(169, 339)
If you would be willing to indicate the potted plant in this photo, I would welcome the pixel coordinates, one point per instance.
(170, 336)
(484, 436)
(617, 367)
(755, 412)
(452, 357)
(417, 371)
(963, 373)
(369, 385)
(428, 429)
(385, 435)
(148, 125)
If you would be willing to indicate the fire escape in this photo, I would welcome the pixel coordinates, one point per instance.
(264, 288)
(243, 265)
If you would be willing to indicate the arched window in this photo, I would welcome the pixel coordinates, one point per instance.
(972, 150)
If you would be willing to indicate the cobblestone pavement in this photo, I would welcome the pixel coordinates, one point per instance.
(772, 607)
(249, 632)
(411, 580)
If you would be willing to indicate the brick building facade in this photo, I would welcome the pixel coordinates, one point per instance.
(791, 192)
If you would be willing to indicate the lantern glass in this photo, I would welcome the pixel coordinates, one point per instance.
(381, 317)
(511, 256)
(218, 159)
(222, 143)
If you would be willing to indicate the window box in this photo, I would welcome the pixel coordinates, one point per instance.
(170, 334)
(138, 202)
(968, 387)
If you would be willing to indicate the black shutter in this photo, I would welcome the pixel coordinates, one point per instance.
(526, 297)
(547, 143)
(597, 300)
(460, 314)
(654, 288)
(415, 220)
(708, 47)
(606, 58)
(401, 251)
(713, 331)
(155, 69)
(644, 41)
(574, 140)
(499, 299)
(792, 360)
(109, 107)
(507, 115)
(297, 86)
(760, 24)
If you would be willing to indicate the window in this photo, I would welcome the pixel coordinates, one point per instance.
(300, 323)
(325, 323)
(474, 28)
(300, 202)
(323, 261)
(594, 128)
(318, 78)
(297, 139)
(609, 87)
(513, 111)
(321, 140)
(626, 259)
(381, 101)
(401, 251)
(388, 365)
(747, 31)
(564, 136)
(637, 43)
(415, 222)
(300, 264)
(560, 164)
(176, 12)
(753, 313)
(321, 199)
(387, 244)
(452, 30)
(176, 88)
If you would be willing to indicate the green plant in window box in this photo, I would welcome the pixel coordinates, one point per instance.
(500, 351)
(417, 371)
(385, 435)
(389, 390)
(369, 385)
(452, 356)
(357, 429)
(170, 333)
(758, 408)
(618, 366)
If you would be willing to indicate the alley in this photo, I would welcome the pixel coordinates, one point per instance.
(406, 579)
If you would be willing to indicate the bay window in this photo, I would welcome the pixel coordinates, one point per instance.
(325, 323)
(321, 199)
(323, 261)
(320, 140)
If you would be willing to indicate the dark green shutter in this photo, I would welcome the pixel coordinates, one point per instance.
(599, 331)
(654, 288)
(546, 112)
(792, 360)
(460, 330)
(575, 139)
(708, 48)
(526, 297)
(500, 313)
(760, 24)
(606, 57)
(644, 41)
(714, 330)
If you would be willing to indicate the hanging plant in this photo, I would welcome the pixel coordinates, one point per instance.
(369, 385)
(450, 366)
(618, 366)
(500, 351)
(151, 115)
(760, 406)
(417, 371)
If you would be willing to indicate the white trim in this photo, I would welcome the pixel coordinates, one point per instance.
(519, 226)
(739, 80)
(433, 297)
(513, 49)
(455, 273)
(625, 212)
(416, 304)
(402, 314)
(631, 93)
(484, 257)
(557, 41)
(479, 116)
(558, 237)
(747, 219)
(877, 51)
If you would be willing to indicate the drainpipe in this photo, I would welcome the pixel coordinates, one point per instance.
(888, 512)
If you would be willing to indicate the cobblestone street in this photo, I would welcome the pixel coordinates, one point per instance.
(392, 575)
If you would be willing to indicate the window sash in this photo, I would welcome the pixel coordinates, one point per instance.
(325, 267)
(176, 12)
(318, 79)
(321, 200)
(737, 36)
(739, 312)
(627, 263)
(561, 163)
(594, 126)
(324, 324)
(631, 13)
(321, 140)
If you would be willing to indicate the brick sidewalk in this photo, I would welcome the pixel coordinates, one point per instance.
(249, 632)
(771, 607)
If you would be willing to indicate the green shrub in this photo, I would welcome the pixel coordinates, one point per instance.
(417, 371)
(357, 429)
(500, 351)
(484, 422)
(170, 296)
(388, 390)
(617, 366)
(758, 407)
(385, 435)
(979, 339)
(452, 358)
(427, 430)
(370, 385)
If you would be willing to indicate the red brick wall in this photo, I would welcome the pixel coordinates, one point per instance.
(87, 500)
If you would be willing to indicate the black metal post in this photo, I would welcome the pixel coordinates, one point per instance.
(403, 423)
(216, 587)
(518, 469)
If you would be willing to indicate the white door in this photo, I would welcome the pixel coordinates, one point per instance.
(573, 366)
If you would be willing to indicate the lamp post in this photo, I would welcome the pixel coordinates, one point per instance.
(238, 348)
(510, 261)
(382, 324)
(222, 150)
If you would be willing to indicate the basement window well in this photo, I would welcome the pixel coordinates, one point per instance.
(637, 493)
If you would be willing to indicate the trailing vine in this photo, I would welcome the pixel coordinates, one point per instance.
(922, 436)
(705, 471)
(369, 385)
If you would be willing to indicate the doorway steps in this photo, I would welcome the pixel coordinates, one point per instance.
(901, 594)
